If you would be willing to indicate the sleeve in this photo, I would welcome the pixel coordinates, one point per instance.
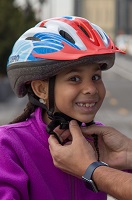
(13, 178)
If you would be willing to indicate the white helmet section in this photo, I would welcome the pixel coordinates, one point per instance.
(55, 26)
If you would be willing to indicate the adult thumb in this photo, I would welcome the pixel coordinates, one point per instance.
(75, 129)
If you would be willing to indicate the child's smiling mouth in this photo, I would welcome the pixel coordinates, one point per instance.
(87, 105)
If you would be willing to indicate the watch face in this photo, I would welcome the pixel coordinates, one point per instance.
(91, 186)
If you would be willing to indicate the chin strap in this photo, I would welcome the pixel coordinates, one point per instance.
(62, 120)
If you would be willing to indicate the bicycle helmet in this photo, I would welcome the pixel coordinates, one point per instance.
(54, 45)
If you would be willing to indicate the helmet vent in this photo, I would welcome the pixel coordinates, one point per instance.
(67, 36)
(100, 34)
(33, 38)
(85, 32)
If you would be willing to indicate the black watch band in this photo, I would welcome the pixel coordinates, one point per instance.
(87, 177)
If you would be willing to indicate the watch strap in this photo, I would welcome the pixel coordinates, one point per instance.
(87, 177)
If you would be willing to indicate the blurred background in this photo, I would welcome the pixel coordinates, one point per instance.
(114, 16)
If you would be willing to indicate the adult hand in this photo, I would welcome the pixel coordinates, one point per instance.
(115, 148)
(75, 156)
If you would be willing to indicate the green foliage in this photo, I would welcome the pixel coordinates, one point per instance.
(13, 22)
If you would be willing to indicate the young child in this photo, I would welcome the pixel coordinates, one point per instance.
(58, 64)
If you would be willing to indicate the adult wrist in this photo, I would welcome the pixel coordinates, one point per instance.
(88, 175)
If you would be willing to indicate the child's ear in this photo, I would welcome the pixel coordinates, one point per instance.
(40, 88)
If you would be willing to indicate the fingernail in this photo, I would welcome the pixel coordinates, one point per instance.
(73, 122)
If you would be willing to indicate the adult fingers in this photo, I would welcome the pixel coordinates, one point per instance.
(75, 130)
(95, 129)
(62, 134)
(53, 142)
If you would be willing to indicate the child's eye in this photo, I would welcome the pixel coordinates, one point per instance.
(75, 79)
(96, 77)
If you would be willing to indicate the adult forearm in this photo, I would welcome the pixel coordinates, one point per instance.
(114, 182)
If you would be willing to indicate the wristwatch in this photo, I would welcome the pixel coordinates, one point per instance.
(87, 177)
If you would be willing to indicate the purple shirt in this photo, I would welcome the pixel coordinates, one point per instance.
(27, 170)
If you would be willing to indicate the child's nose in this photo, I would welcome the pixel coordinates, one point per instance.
(89, 88)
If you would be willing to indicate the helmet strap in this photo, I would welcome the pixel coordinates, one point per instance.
(61, 120)
(51, 97)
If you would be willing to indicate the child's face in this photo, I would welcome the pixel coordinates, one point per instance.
(79, 92)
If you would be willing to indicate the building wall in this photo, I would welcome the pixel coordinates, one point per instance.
(55, 8)
(130, 17)
(124, 20)
(102, 13)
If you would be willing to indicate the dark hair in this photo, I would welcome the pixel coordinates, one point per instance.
(30, 108)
